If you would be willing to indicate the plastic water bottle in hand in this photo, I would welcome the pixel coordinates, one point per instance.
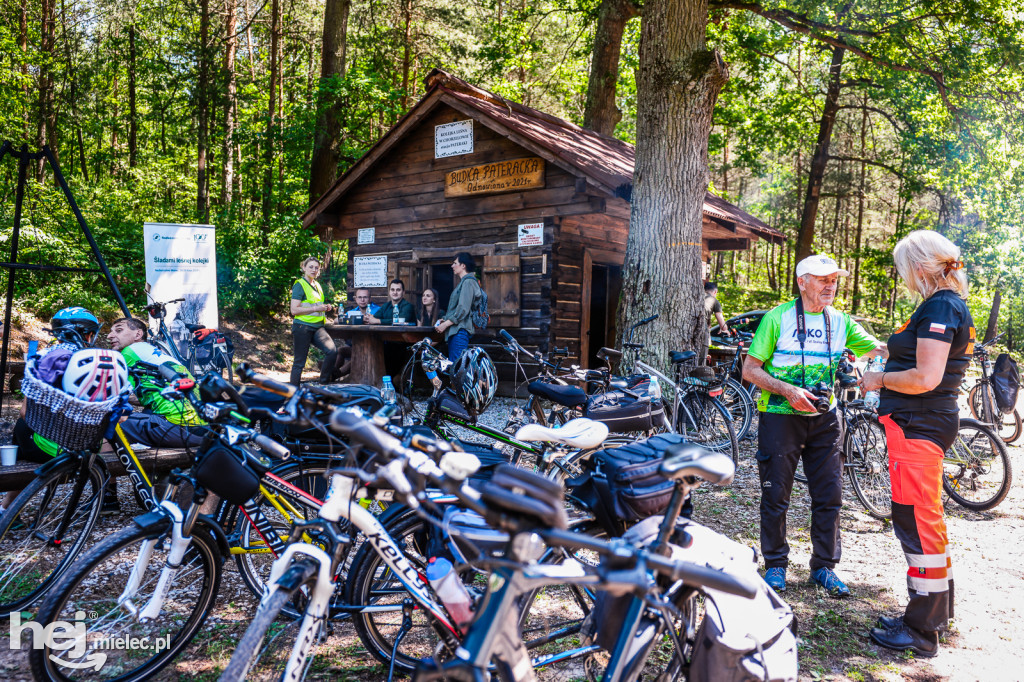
(449, 589)
(387, 391)
(876, 364)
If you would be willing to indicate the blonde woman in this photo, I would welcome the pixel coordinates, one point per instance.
(310, 313)
(928, 357)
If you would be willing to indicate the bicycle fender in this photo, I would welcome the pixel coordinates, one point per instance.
(156, 521)
(298, 573)
(210, 524)
(58, 463)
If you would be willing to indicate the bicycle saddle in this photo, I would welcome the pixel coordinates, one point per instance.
(681, 356)
(194, 327)
(577, 433)
(687, 459)
(570, 396)
(609, 354)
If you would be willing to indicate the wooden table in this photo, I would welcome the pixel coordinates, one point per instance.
(368, 346)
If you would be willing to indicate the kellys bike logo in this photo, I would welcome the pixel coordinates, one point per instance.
(84, 649)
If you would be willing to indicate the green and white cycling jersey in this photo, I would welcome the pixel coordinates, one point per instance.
(777, 346)
(147, 389)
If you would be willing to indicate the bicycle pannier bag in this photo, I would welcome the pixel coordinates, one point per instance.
(627, 410)
(1005, 383)
(206, 355)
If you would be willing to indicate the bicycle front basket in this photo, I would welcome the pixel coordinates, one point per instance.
(55, 415)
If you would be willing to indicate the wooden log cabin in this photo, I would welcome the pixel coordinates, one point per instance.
(535, 199)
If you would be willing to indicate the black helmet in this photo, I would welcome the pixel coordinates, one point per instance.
(72, 325)
(474, 380)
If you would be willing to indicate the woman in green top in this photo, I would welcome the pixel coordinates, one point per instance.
(310, 314)
(457, 323)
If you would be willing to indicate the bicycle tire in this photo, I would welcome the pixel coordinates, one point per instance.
(866, 458)
(372, 584)
(258, 658)
(254, 565)
(94, 586)
(709, 424)
(976, 471)
(737, 402)
(29, 565)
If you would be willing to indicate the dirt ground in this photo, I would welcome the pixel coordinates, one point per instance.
(984, 643)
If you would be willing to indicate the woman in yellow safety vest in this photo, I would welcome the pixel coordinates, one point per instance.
(310, 314)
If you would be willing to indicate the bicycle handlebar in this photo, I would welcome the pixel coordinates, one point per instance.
(248, 374)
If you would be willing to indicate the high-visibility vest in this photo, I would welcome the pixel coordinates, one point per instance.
(314, 295)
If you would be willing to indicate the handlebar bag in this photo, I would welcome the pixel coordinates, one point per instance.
(1006, 383)
(526, 495)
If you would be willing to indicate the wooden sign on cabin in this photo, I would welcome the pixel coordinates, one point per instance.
(492, 178)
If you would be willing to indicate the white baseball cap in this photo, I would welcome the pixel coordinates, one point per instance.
(819, 266)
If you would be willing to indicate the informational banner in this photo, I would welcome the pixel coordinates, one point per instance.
(366, 235)
(531, 234)
(453, 139)
(370, 271)
(503, 176)
(181, 262)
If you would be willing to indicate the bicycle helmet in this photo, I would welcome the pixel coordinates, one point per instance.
(474, 380)
(72, 325)
(96, 375)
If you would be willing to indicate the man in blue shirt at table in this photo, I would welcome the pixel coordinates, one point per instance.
(364, 307)
(397, 310)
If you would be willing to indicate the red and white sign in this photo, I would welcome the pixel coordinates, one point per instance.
(531, 234)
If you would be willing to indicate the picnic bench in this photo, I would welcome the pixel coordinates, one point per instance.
(368, 346)
(154, 462)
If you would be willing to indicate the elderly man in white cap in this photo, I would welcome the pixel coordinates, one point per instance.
(793, 360)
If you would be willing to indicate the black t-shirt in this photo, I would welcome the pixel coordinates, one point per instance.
(943, 317)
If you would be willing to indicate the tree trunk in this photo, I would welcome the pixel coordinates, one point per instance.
(133, 121)
(203, 101)
(230, 87)
(268, 148)
(679, 81)
(805, 237)
(23, 58)
(46, 129)
(860, 206)
(327, 138)
(601, 115)
(993, 317)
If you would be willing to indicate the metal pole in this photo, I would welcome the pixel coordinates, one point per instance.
(85, 229)
(19, 198)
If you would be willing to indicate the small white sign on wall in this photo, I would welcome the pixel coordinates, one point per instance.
(453, 139)
(366, 235)
(531, 234)
(370, 271)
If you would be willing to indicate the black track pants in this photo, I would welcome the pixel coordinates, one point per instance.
(783, 440)
(303, 336)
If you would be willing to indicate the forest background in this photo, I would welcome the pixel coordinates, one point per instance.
(237, 112)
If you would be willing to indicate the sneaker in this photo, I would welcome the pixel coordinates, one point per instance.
(776, 578)
(889, 623)
(903, 638)
(111, 505)
(828, 579)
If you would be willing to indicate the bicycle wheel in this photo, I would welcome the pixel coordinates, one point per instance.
(867, 461)
(92, 597)
(976, 469)
(263, 651)
(702, 419)
(737, 403)
(1007, 425)
(30, 560)
(372, 584)
(252, 556)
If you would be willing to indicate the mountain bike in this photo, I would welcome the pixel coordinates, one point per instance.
(982, 400)
(200, 356)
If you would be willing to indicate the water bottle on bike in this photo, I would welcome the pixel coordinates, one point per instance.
(876, 364)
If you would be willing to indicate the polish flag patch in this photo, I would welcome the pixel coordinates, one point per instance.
(937, 328)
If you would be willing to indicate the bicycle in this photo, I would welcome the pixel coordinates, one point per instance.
(976, 471)
(198, 359)
(982, 401)
(864, 453)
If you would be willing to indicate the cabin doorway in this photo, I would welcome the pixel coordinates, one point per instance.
(600, 304)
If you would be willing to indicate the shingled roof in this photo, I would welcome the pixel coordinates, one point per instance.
(604, 162)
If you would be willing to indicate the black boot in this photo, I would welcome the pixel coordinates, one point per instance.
(903, 638)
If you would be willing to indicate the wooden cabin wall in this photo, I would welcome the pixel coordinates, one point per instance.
(604, 236)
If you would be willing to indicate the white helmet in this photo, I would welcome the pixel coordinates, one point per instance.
(96, 374)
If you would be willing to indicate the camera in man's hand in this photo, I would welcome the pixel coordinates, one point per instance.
(822, 400)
